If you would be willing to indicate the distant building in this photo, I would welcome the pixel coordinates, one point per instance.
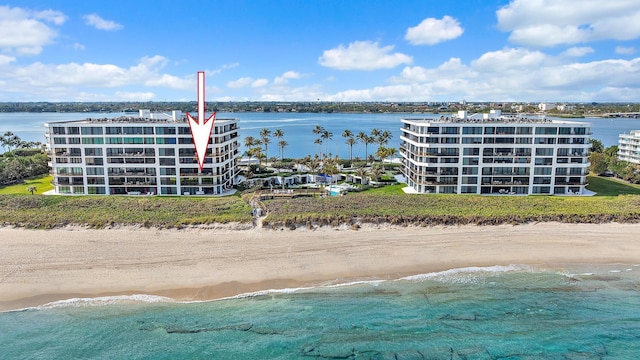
(629, 147)
(565, 107)
(495, 154)
(546, 106)
(149, 154)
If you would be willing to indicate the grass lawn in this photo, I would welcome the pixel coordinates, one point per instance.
(42, 184)
(389, 189)
(609, 186)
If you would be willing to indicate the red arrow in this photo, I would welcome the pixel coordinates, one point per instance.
(201, 129)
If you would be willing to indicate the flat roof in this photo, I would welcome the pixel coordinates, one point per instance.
(128, 120)
(501, 120)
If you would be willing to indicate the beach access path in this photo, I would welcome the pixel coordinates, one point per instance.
(41, 266)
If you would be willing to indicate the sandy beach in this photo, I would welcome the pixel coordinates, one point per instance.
(38, 267)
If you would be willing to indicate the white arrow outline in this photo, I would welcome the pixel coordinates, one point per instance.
(201, 129)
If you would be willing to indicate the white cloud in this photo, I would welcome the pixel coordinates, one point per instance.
(169, 81)
(240, 83)
(554, 22)
(55, 82)
(625, 50)
(78, 46)
(4, 59)
(509, 59)
(101, 24)
(284, 78)
(362, 55)
(432, 31)
(578, 51)
(224, 67)
(258, 83)
(510, 75)
(25, 32)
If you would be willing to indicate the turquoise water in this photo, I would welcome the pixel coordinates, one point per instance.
(488, 313)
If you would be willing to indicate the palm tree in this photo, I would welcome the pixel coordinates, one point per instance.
(264, 138)
(326, 135)
(385, 152)
(362, 173)
(366, 140)
(249, 142)
(278, 133)
(330, 166)
(351, 141)
(319, 142)
(384, 137)
(361, 136)
(318, 130)
(375, 173)
(9, 140)
(282, 144)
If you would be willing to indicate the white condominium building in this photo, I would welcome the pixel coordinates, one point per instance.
(629, 147)
(495, 154)
(143, 155)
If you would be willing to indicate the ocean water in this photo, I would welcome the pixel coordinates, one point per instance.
(500, 312)
(297, 128)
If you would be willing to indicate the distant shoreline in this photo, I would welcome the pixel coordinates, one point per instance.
(41, 266)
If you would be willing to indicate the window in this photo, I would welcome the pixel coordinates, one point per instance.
(165, 130)
(546, 131)
(476, 130)
(544, 152)
(471, 151)
(97, 140)
(167, 152)
(91, 130)
(132, 130)
(93, 152)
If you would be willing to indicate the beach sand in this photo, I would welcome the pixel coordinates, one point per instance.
(38, 266)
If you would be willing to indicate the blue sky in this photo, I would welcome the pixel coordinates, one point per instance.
(330, 50)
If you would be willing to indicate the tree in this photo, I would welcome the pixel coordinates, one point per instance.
(9, 140)
(598, 163)
(366, 140)
(362, 172)
(384, 137)
(249, 142)
(31, 189)
(318, 141)
(350, 141)
(596, 146)
(318, 131)
(282, 144)
(385, 152)
(375, 173)
(278, 133)
(264, 138)
(326, 136)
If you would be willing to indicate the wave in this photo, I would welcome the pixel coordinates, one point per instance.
(453, 275)
(102, 301)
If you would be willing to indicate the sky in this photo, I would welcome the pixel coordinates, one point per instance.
(321, 50)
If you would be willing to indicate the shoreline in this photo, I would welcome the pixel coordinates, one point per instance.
(199, 264)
